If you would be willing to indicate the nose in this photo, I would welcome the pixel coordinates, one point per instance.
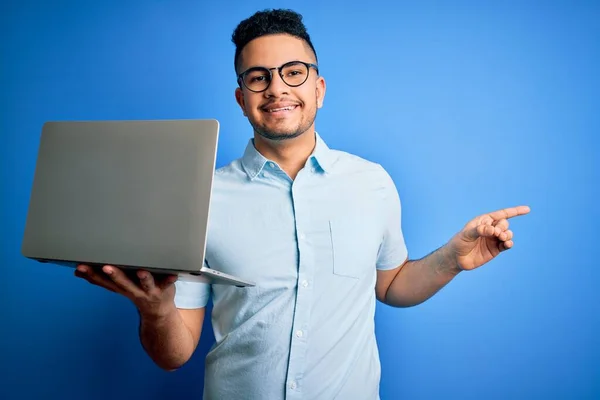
(277, 87)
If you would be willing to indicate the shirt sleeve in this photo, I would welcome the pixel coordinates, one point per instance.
(393, 251)
(191, 294)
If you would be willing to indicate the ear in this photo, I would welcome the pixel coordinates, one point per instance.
(321, 88)
(239, 98)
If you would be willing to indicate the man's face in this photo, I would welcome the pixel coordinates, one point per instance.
(281, 111)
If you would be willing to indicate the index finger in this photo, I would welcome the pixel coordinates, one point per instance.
(509, 212)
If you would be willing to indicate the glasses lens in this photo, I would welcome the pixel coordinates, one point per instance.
(294, 74)
(257, 79)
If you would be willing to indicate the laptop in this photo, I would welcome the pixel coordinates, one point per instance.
(133, 194)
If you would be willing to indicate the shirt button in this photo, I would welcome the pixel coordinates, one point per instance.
(305, 283)
(271, 164)
(292, 385)
(299, 333)
(302, 236)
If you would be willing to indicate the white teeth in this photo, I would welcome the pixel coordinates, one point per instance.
(282, 109)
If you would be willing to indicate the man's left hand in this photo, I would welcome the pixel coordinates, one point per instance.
(484, 237)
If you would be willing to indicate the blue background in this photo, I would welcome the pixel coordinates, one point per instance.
(470, 106)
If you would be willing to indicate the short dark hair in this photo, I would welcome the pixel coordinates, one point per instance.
(269, 22)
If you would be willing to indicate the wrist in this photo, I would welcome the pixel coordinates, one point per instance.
(450, 260)
(157, 314)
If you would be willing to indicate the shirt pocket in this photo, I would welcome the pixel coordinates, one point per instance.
(355, 244)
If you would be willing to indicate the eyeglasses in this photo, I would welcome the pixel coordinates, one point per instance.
(293, 73)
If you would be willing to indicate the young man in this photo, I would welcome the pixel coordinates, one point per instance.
(319, 231)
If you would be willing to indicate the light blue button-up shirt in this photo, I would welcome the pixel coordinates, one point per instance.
(312, 245)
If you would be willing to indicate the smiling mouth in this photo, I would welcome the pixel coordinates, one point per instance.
(280, 109)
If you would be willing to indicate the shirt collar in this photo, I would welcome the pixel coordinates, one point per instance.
(253, 162)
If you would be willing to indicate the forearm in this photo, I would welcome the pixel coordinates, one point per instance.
(418, 280)
(166, 339)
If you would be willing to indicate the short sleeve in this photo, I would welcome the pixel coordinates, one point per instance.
(393, 251)
(191, 294)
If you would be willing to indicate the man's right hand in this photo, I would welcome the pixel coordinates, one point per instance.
(153, 295)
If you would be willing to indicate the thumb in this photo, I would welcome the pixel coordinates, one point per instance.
(473, 233)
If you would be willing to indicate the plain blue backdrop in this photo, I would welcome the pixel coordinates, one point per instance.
(471, 107)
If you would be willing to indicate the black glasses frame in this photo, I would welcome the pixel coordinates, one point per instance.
(241, 80)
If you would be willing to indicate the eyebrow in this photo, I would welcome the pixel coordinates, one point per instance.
(264, 66)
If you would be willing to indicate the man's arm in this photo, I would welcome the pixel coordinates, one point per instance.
(481, 240)
(415, 281)
(171, 339)
(169, 335)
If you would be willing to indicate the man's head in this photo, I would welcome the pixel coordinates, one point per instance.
(280, 88)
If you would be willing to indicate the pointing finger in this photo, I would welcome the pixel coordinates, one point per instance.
(509, 212)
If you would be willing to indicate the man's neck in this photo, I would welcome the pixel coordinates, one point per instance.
(289, 154)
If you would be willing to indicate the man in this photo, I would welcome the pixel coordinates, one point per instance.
(319, 230)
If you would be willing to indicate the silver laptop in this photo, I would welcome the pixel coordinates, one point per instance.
(134, 194)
